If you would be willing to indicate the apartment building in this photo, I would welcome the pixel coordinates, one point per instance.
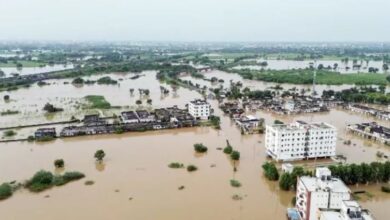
(300, 140)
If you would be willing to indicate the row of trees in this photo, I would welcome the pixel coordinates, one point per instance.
(362, 173)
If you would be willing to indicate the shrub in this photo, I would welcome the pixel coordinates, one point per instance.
(99, 155)
(285, 181)
(89, 182)
(71, 176)
(78, 80)
(235, 183)
(200, 148)
(51, 109)
(278, 122)
(9, 133)
(228, 149)
(191, 168)
(40, 181)
(5, 191)
(385, 189)
(176, 165)
(270, 171)
(31, 138)
(6, 98)
(59, 163)
(235, 155)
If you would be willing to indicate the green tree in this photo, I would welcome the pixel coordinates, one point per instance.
(6, 97)
(59, 163)
(200, 148)
(235, 155)
(285, 181)
(270, 171)
(99, 155)
(5, 191)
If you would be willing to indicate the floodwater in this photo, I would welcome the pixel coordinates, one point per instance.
(342, 67)
(259, 85)
(8, 71)
(134, 182)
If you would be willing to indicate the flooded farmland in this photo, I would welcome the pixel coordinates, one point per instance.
(9, 71)
(135, 182)
(336, 65)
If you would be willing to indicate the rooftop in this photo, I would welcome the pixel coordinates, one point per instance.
(303, 125)
(199, 102)
(314, 184)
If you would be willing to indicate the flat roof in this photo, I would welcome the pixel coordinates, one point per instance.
(314, 184)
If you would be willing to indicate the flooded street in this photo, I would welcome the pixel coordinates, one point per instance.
(135, 182)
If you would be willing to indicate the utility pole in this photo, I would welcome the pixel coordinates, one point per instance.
(314, 78)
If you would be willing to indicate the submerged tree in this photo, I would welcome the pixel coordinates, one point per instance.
(99, 155)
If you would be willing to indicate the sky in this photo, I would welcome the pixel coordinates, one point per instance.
(195, 20)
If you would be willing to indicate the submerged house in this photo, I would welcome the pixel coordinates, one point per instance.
(145, 116)
(45, 132)
(93, 120)
(129, 117)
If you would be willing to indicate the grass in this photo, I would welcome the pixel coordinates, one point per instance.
(24, 63)
(97, 101)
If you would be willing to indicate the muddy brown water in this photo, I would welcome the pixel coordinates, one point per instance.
(134, 182)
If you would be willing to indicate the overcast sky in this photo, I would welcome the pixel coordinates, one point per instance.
(195, 20)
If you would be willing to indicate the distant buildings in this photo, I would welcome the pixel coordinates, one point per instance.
(322, 192)
(199, 109)
(300, 140)
(381, 114)
(371, 130)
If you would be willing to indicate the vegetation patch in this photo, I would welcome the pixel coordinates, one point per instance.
(385, 189)
(106, 81)
(270, 171)
(176, 165)
(200, 148)
(9, 133)
(235, 183)
(5, 191)
(43, 180)
(9, 112)
(305, 76)
(97, 101)
(192, 168)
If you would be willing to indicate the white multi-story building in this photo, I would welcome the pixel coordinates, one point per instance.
(350, 210)
(199, 109)
(300, 140)
(319, 193)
